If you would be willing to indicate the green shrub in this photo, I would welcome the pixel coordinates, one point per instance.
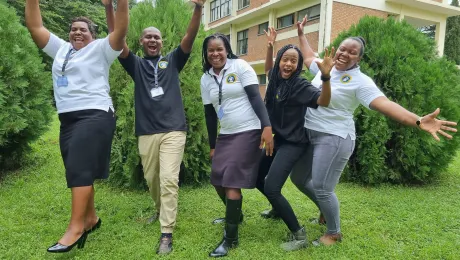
(171, 17)
(25, 106)
(404, 65)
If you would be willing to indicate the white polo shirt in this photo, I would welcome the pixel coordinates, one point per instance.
(349, 89)
(87, 73)
(239, 116)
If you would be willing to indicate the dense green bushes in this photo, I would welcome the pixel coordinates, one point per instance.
(25, 104)
(404, 65)
(172, 18)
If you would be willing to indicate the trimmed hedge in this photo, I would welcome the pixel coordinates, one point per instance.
(404, 65)
(25, 105)
(171, 17)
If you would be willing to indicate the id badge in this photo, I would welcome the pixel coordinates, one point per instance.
(220, 112)
(155, 92)
(62, 81)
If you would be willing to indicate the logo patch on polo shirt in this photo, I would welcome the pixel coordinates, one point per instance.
(231, 78)
(345, 78)
(163, 64)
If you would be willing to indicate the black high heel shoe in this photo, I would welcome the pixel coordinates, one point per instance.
(59, 248)
(96, 226)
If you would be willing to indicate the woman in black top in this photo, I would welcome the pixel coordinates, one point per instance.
(288, 96)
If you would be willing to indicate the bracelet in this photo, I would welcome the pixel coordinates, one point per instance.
(325, 78)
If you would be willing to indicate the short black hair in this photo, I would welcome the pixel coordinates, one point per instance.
(228, 48)
(92, 27)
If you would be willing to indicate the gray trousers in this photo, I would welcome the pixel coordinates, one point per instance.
(318, 171)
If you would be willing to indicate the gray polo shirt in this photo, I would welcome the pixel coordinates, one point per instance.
(160, 113)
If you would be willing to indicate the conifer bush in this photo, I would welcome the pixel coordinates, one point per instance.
(25, 104)
(404, 65)
(172, 18)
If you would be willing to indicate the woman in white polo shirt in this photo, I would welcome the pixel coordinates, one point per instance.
(230, 92)
(331, 130)
(81, 89)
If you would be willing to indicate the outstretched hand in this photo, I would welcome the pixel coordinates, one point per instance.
(199, 2)
(301, 25)
(430, 124)
(328, 62)
(271, 36)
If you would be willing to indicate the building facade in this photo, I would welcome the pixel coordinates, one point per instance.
(244, 21)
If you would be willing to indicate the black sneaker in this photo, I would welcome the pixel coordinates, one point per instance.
(165, 245)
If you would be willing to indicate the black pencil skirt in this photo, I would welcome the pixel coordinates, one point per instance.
(86, 140)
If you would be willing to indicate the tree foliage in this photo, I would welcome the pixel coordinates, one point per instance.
(404, 65)
(452, 43)
(171, 17)
(25, 105)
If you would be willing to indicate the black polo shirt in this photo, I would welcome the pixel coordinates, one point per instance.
(163, 113)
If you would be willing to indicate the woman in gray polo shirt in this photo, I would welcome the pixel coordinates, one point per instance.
(331, 130)
(81, 89)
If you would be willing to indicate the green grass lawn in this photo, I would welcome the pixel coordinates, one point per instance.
(388, 222)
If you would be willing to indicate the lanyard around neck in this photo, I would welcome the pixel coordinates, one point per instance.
(67, 57)
(220, 86)
(155, 68)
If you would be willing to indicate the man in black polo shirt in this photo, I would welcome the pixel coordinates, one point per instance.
(160, 116)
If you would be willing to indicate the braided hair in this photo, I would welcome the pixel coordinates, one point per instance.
(279, 86)
(228, 48)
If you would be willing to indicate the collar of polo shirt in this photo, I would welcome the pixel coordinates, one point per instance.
(227, 65)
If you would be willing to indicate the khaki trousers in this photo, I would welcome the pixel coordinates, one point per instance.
(161, 156)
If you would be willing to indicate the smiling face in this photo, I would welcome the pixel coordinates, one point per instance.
(80, 35)
(288, 63)
(152, 42)
(347, 55)
(217, 54)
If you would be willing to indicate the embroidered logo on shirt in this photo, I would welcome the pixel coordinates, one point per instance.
(163, 64)
(345, 78)
(231, 78)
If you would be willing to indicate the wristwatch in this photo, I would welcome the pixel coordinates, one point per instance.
(325, 78)
(419, 121)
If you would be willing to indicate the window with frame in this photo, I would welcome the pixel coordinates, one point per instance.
(243, 3)
(242, 42)
(262, 27)
(311, 12)
(220, 8)
(285, 21)
(262, 79)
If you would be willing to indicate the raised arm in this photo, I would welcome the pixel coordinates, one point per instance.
(271, 38)
(110, 16)
(325, 66)
(34, 23)
(187, 42)
(118, 23)
(307, 52)
(428, 123)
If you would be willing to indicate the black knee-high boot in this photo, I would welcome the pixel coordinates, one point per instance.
(230, 240)
(222, 220)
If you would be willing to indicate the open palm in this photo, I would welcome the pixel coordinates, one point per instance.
(326, 65)
(430, 124)
(271, 36)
